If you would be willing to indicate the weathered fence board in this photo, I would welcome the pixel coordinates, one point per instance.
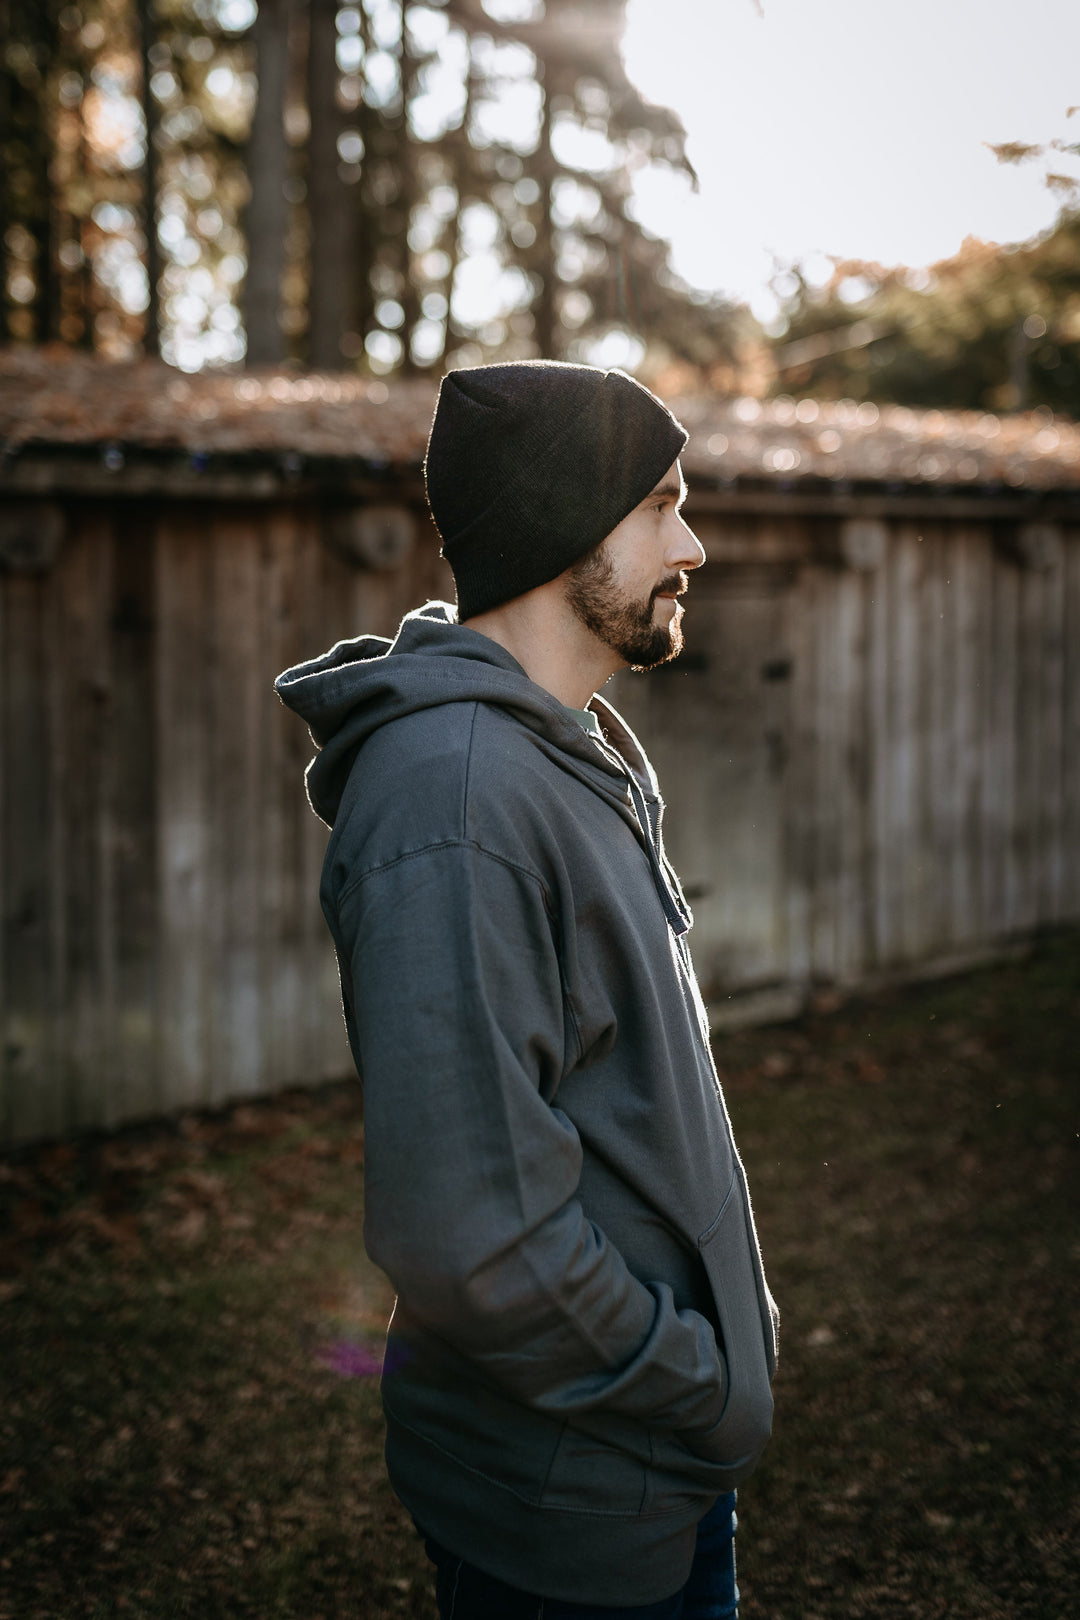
(36, 1098)
(795, 783)
(184, 821)
(957, 869)
(284, 816)
(1001, 754)
(848, 716)
(84, 587)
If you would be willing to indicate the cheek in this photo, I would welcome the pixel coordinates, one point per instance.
(639, 561)
(645, 579)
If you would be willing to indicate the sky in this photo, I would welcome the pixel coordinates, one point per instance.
(852, 128)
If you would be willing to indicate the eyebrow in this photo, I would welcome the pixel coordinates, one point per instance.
(668, 487)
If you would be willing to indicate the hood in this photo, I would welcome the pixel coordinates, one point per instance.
(346, 694)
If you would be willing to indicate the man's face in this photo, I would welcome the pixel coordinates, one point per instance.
(625, 589)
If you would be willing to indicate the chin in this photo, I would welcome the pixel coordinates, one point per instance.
(665, 644)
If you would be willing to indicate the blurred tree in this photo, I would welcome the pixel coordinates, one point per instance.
(594, 263)
(147, 42)
(385, 183)
(81, 184)
(554, 132)
(267, 166)
(1066, 187)
(993, 328)
(28, 53)
(329, 200)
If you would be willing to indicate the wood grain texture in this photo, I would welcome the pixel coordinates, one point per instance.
(1050, 703)
(799, 781)
(1031, 729)
(188, 909)
(1001, 877)
(284, 811)
(84, 595)
(238, 702)
(33, 1095)
(131, 764)
(881, 851)
(938, 777)
(960, 872)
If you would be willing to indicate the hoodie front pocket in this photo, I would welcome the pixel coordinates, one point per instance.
(476, 1427)
(599, 1467)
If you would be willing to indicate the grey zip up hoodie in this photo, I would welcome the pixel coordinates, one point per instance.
(580, 1355)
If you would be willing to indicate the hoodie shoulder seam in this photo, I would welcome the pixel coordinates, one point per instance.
(433, 848)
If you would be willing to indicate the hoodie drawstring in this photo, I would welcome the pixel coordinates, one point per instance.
(673, 910)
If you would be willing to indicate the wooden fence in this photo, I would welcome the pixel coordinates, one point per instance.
(871, 751)
(871, 746)
(162, 943)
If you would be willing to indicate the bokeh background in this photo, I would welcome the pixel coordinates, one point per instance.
(846, 200)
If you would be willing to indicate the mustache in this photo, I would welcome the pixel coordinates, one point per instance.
(674, 584)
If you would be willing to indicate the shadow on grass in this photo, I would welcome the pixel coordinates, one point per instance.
(190, 1422)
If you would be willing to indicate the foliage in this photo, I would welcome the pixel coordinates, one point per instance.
(76, 248)
(454, 183)
(1064, 186)
(994, 328)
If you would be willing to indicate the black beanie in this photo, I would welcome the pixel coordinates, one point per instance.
(531, 464)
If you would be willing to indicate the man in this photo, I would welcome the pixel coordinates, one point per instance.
(578, 1367)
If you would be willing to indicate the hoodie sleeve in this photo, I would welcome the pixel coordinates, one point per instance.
(461, 1033)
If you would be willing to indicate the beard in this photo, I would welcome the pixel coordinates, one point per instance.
(624, 625)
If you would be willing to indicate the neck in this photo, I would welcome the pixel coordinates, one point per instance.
(550, 643)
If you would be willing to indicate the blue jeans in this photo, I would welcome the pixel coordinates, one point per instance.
(463, 1592)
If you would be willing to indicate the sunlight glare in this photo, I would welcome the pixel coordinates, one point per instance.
(834, 127)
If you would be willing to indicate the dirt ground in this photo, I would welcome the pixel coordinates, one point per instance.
(190, 1426)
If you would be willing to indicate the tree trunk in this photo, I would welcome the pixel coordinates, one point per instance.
(410, 297)
(86, 284)
(152, 328)
(30, 186)
(544, 313)
(460, 151)
(267, 213)
(329, 203)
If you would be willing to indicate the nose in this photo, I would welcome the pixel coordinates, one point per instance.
(684, 549)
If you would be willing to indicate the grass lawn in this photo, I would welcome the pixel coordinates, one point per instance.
(189, 1425)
